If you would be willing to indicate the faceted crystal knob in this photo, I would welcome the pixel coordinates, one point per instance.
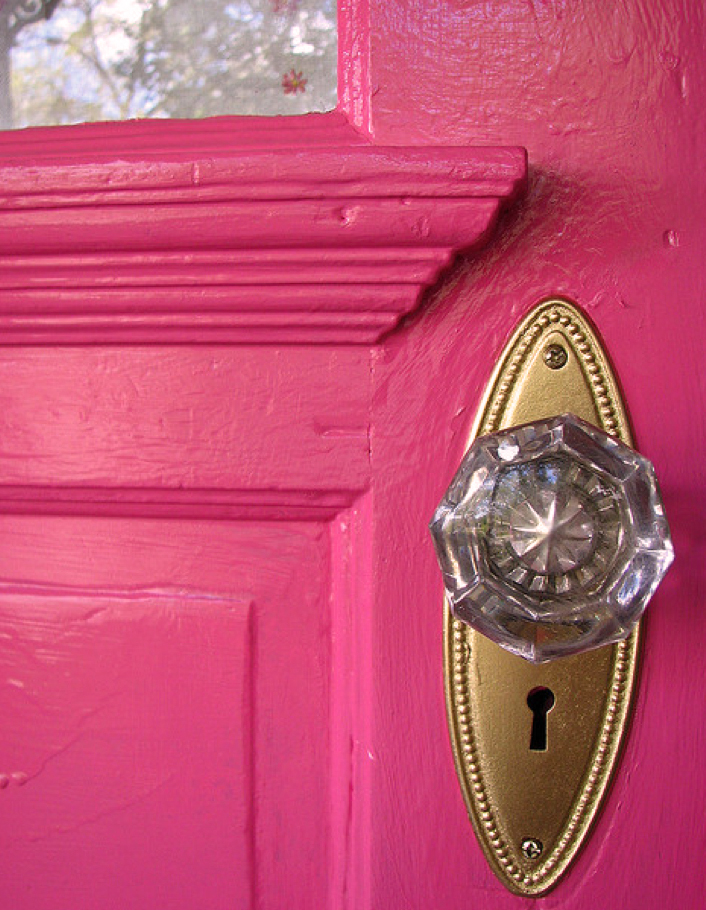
(552, 538)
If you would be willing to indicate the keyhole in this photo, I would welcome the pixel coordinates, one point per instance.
(540, 701)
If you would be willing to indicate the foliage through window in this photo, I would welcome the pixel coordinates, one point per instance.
(70, 61)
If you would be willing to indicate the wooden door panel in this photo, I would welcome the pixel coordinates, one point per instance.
(184, 418)
(162, 745)
(127, 718)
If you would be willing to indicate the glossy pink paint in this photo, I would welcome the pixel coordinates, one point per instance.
(608, 100)
(308, 245)
(220, 613)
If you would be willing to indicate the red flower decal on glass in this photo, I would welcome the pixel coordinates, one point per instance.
(281, 7)
(293, 82)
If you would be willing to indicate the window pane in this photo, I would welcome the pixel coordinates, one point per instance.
(70, 61)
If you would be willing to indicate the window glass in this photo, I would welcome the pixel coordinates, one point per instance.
(70, 61)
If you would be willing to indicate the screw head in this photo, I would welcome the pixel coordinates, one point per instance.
(532, 848)
(555, 356)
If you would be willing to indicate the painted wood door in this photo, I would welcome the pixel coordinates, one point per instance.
(228, 414)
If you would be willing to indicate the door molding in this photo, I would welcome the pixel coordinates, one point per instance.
(299, 245)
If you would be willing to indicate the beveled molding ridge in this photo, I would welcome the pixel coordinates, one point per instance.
(172, 503)
(300, 245)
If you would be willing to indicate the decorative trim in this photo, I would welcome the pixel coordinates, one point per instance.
(149, 502)
(303, 245)
(257, 175)
(141, 140)
(523, 875)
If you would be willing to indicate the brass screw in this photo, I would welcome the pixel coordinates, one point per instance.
(555, 356)
(532, 848)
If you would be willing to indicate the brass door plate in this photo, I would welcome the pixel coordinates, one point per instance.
(532, 808)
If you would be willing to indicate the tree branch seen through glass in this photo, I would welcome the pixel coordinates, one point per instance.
(121, 59)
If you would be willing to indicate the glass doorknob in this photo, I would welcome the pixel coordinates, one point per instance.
(552, 538)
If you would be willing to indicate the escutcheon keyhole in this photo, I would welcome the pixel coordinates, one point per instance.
(540, 701)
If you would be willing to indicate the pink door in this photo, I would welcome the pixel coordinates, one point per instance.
(229, 410)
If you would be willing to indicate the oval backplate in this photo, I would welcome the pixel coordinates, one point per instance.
(532, 809)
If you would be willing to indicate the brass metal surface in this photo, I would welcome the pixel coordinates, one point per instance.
(532, 809)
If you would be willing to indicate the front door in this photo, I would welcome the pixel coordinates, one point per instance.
(229, 409)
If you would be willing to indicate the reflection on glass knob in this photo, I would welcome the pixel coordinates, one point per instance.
(552, 538)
